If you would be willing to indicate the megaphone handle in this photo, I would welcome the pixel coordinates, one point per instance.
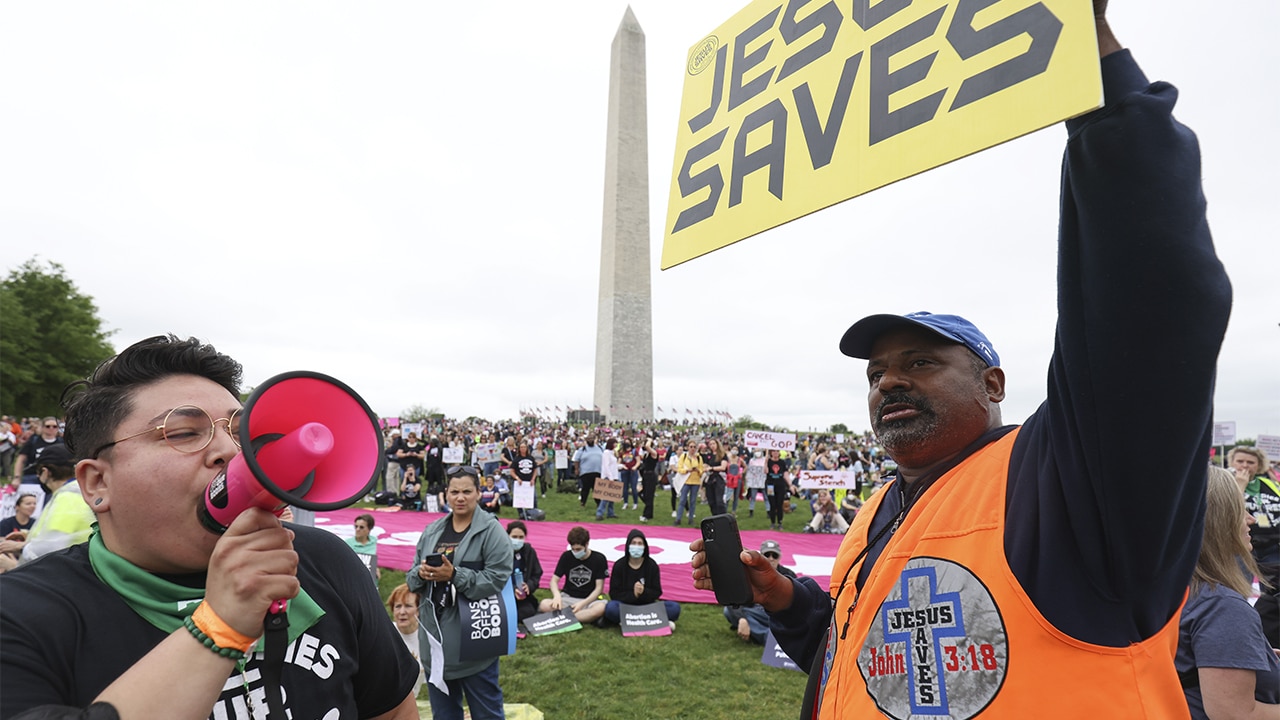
(276, 639)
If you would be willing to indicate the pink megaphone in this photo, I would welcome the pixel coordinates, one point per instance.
(306, 440)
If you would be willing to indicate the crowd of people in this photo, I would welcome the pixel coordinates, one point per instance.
(683, 462)
(691, 464)
(463, 561)
(1040, 570)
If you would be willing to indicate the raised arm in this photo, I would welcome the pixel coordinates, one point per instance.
(1106, 493)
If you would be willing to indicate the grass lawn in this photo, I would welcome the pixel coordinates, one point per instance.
(702, 672)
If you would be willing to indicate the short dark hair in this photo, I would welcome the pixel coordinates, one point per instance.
(367, 518)
(517, 525)
(96, 405)
(462, 471)
(58, 471)
(579, 536)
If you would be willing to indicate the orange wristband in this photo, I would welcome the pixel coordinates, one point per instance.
(222, 634)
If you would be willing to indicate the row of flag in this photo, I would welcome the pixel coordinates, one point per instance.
(556, 409)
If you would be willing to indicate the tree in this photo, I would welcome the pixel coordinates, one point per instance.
(840, 428)
(746, 422)
(418, 413)
(50, 336)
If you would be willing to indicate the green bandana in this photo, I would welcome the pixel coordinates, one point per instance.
(1254, 486)
(165, 604)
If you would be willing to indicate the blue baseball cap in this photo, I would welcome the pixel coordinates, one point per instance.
(860, 336)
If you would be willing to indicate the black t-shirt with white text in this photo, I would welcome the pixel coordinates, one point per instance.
(524, 468)
(67, 636)
(31, 451)
(580, 575)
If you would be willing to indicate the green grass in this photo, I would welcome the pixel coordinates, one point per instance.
(701, 672)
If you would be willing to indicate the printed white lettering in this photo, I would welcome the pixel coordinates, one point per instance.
(307, 646)
(324, 668)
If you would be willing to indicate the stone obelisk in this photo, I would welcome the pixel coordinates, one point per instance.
(624, 325)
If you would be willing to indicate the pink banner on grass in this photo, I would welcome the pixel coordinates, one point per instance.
(398, 532)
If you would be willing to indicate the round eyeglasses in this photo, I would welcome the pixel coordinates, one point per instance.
(187, 429)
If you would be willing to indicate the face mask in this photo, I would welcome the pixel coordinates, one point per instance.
(517, 543)
(580, 554)
(637, 551)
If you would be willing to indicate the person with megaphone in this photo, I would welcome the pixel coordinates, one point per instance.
(161, 613)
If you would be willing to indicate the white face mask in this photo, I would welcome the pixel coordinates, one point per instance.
(580, 554)
(517, 543)
(636, 551)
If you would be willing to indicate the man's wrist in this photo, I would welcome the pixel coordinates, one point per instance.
(1107, 42)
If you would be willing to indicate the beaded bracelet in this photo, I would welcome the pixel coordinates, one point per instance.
(208, 642)
(215, 633)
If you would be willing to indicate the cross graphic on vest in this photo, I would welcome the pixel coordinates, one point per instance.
(920, 619)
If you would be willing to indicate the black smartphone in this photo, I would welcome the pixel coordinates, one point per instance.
(433, 559)
(723, 547)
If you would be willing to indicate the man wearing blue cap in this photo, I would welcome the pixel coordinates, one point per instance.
(1036, 571)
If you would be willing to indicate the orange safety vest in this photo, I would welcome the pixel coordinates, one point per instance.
(942, 628)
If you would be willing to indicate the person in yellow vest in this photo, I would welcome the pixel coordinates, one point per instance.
(1262, 501)
(66, 519)
(1035, 571)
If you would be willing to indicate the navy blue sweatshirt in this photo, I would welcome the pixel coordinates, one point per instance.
(1107, 477)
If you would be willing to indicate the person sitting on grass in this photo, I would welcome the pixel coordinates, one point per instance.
(751, 622)
(826, 517)
(636, 580)
(490, 500)
(503, 488)
(850, 505)
(410, 490)
(528, 567)
(583, 571)
(365, 545)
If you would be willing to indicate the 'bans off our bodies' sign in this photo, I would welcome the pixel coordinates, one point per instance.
(792, 105)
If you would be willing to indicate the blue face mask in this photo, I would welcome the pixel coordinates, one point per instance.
(580, 554)
(517, 543)
(637, 551)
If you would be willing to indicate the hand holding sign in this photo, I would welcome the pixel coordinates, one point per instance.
(864, 96)
(769, 440)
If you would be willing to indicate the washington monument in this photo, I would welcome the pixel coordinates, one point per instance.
(624, 324)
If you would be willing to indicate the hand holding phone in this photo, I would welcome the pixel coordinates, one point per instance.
(430, 567)
(723, 547)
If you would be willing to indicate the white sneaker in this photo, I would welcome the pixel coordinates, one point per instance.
(673, 513)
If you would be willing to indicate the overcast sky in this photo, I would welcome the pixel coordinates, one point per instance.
(407, 196)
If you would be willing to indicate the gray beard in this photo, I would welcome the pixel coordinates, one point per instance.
(900, 435)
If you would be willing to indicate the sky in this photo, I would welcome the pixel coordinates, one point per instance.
(408, 196)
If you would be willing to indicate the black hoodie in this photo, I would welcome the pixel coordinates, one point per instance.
(623, 579)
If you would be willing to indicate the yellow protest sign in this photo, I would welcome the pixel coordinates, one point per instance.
(795, 105)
